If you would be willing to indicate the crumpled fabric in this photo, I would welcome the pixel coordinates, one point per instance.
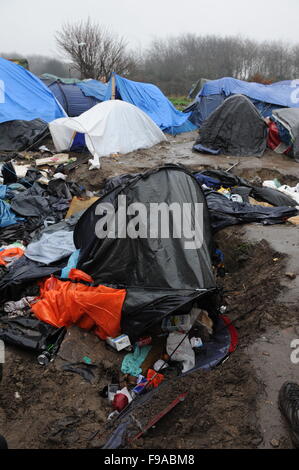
(66, 303)
(132, 361)
(10, 254)
(72, 264)
(51, 247)
(20, 308)
(184, 353)
(7, 217)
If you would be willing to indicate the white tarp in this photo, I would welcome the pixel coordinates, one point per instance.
(110, 127)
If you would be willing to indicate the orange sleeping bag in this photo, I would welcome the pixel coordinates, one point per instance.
(65, 303)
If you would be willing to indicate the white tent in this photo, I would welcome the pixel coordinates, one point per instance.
(110, 127)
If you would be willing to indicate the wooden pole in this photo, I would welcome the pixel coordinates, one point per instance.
(113, 88)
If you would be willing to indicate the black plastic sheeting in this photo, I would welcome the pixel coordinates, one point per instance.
(160, 275)
(225, 212)
(225, 178)
(234, 128)
(217, 178)
(23, 274)
(20, 135)
(31, 334)
(272, 196)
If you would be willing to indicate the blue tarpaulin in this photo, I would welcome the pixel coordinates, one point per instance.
(281, 94)
(93, 88)
(266, 98)
(153, 102)
(24, 97)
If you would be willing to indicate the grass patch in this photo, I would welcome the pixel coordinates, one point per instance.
(180, 102)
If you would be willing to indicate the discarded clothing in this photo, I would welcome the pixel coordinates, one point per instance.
(9, 174)
(32, 334)
(72, 264)
(154, 378)
(9, 255)
(24, 273)
(64, 303)
(276, 197)
(7, 217)
(21, 308)
(132, 361)
(82, 369)
(51, 247)
(224, 212)
(181, 352)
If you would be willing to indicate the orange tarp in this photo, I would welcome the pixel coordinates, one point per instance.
(65, 303)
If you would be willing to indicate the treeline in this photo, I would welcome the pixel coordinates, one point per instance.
(174, 64)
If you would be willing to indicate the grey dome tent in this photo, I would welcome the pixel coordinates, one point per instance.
(234, 128)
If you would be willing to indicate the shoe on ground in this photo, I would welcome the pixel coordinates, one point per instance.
(289, 406)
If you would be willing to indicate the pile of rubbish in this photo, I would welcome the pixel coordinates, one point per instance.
(149, 299)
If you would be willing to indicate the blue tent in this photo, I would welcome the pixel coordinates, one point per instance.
(153, 102)
(265, 97)
(24, 97)
(72, 99)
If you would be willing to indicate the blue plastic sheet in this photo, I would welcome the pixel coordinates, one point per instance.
(24, 97)
(93, 88)
(153, 102)
(278, 94)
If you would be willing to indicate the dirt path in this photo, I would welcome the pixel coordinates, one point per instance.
(231, 407)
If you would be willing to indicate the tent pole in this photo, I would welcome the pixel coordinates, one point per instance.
(113, 87)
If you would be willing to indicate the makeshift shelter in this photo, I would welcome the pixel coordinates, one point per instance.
(24, 97)
(150, 99)
(283, 136)
(110, 127)
(266, 98)
(75, 98)
(234, 128)
(161, 276)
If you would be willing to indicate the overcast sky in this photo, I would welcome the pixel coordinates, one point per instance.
(28, 26)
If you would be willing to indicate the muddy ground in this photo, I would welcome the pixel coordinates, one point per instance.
(234, 406)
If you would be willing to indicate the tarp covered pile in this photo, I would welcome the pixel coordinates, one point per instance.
(234, 128)
(265, 97)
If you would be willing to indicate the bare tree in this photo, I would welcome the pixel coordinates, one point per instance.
(94, 50)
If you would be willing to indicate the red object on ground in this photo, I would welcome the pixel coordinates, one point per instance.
(273, 140)
(65, 303)
(154, 378)
(144, 341)
(120, 401)
(9, 254)
(159, 416)
(233, 334)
